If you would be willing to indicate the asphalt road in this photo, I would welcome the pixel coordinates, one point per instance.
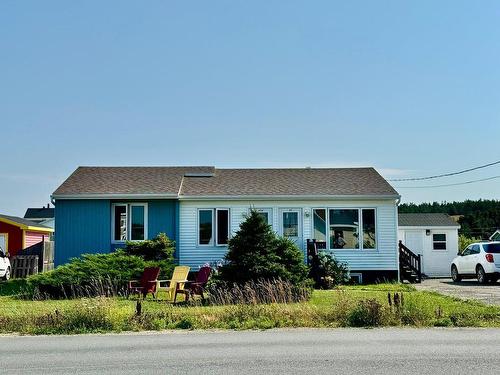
(301, 351)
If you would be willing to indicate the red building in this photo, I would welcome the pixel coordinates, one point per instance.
(17, 234)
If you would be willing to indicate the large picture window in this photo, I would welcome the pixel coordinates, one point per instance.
(129, 222)
(344, 229)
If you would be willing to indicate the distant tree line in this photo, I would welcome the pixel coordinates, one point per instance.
(478, 218)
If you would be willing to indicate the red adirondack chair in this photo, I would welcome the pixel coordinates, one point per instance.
(198, 286)
(147, 284)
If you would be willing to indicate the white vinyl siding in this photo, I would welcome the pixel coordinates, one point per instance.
(434, 262)
(383, 257)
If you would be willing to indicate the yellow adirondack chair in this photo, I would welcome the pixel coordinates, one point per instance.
(176, 283)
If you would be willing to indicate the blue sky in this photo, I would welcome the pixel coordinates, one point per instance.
(411, 88)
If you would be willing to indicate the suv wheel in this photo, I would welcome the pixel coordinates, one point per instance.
(455, 276)
(481, 275)
(6, 277)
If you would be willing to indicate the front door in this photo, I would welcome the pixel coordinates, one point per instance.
(414, 240)
(291, 226)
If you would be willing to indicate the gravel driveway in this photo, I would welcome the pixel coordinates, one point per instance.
(467, 289)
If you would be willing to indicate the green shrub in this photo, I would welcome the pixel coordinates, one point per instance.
(367, 313)
(159, 248)
(158, 251)
(104, 274)
(88, 276)
(257, 253)
(328, 272)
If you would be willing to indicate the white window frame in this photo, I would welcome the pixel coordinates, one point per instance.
(326, 224)
(215, 226)
(445, 242)
(362, 231)
(360, 228)
(128, 213)
(296, 210)
(269, 212)
(211, 243)
(357, 275)
(360, 216)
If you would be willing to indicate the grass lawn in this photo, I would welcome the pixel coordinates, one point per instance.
(365, 305)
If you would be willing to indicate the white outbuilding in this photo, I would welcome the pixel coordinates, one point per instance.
(432, 235)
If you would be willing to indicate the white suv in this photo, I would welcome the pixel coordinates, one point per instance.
(4, 265)
(480, 259)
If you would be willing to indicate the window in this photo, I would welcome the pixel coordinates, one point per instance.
(344, 228)
(129, 222)
(467, 251)
(369, 233)
(492, 248)
(319, 223)
(213, 223)
(290, 224)
(137, 223)
(266, 213)
(120, 223)
(475, 249)
(205, 226)
(439, 241)
(222, 226)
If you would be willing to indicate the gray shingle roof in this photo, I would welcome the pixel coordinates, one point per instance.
(426, 220)
(126, 180)
(21, 221)
(211, 182)
(300, 182)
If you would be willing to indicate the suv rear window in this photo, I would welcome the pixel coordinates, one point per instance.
(492, 248)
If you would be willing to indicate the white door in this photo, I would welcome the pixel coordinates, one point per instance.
(414, 240)
(291, 226)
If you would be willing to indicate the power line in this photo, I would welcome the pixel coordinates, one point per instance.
(445, 185)
(445, 174)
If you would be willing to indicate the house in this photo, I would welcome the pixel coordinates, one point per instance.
(432, 235)
(18, 234)
(352, 211)
(41, 215)
(495, 236)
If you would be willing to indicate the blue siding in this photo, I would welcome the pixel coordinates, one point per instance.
(84, 226)
(81, 226)
(161, 218)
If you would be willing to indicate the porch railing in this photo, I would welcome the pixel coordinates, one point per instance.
(410, 264)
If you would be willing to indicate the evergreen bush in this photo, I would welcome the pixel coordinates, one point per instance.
(256, 253)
